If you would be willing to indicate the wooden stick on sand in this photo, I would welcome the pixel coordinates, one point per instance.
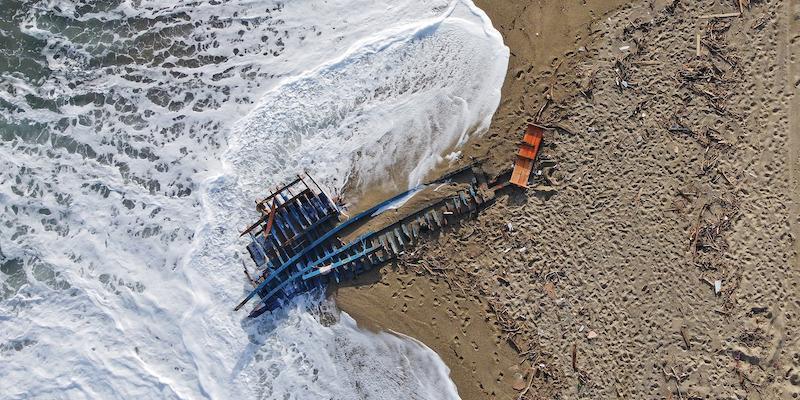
(697, 37)
(724, 15)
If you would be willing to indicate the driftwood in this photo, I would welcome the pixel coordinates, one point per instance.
(697, 45)
(685, 339)
(722, 15)
(575, 357)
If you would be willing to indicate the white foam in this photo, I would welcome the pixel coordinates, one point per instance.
(291, 347)
(398, 100)
(123, 195)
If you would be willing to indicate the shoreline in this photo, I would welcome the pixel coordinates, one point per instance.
(454, 326)
(487, 364)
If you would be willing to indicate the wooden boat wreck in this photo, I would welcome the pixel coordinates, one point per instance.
(302, 239)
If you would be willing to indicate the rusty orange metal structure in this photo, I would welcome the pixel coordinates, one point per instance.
(526, 155)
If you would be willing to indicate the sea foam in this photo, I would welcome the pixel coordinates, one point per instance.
(135, 135)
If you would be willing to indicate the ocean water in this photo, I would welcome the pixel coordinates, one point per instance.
(134, 136)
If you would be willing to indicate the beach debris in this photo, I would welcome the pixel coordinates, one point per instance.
(528, 150)
(575, 357)
(586, 84)
(673, 375)
(519, 382)
(544, 188)
(621, 78)
(715, 218)
(722, 15)
(591, 335)
(717, 286)
(454, 156)
(698, 47)
(685, 338)
(531, 374)
(761, 21)
(510, 227)
(714, 41)
(550, 289)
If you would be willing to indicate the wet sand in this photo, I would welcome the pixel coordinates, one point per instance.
(671, 171)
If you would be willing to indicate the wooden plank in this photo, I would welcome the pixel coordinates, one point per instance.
(437, 221)
(332, 267)
(415, 229)
(723, 15)
(527, 151)
(697, 44)
(383, 243)
(399, 237)
(407, 232)
(522, 171)
(393, 242)
(527, 154)
(298, 210)
(533, 136)
(266, 215)
(429, 222)
(331, 203)
(307, 231)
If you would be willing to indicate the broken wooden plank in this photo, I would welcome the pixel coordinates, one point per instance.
(722, 15)
(526, 155)
(697, 44)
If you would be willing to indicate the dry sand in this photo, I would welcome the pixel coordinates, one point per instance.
(670, 171)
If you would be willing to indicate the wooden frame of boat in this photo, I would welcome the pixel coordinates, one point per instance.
(295, 243)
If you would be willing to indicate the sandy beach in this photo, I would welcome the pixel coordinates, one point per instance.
(655, 256)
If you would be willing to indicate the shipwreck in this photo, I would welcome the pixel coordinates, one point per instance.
(302, 239)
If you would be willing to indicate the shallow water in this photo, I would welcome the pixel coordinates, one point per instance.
(134, 136)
